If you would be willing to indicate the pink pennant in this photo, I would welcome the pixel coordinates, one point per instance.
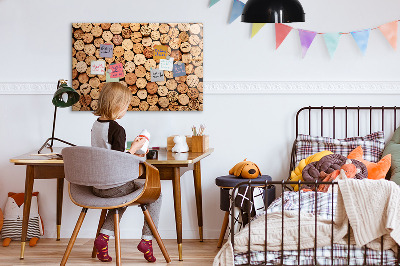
(389, 30)
(281, 31)
(306, 39)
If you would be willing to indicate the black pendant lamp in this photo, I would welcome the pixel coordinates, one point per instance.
(273, 11)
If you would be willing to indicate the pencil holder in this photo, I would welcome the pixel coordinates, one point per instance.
(200, 143)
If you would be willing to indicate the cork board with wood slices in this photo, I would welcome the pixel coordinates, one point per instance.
(161, 63)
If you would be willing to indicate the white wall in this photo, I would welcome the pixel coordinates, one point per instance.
(36, 47)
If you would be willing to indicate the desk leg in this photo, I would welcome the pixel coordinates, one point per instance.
(60, 190)
(199, 204)
(176, 182)
(27, 206)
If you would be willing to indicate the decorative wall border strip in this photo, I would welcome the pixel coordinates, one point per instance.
(243, 87)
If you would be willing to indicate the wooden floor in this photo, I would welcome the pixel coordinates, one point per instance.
(50, 252)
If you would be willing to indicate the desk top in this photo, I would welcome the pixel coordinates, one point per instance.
(164, 157)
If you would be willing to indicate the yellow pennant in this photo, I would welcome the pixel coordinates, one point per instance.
(256, 28)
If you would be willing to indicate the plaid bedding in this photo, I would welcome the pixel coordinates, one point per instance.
(322, 207)
(372, 145)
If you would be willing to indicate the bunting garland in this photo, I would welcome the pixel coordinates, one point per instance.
(237, 8)
(361, 37)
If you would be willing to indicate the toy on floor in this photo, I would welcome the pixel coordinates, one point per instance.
(245, 169)
(13, 215)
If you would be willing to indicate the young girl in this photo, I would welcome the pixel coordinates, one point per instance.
(114, 100)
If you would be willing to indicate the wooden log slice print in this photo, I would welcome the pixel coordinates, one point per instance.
(141, 83)
(182, 88)
(78, 34)
(127, 44)
(87, 37)
(154, 108)
(135, 101)
(150, 63)
(145, 30)
(162, 91)
(152, 88)
(192, 81)
(116, 28)
(148, 52)
(193, 93)
(135, 26)
(97, 31)
(86, 27)
(142, 94)
(76, 25)
(172, 96)
(147, 41)
(117, 39)
(95, 93)
(81, 67)
(164, 28)
(136, 37)
(154, 26)
(126, 33)
(79, 45)
(139, 59)
(130, 67)
(107, 36)
(105, 26)
(119, 51)
(194, 104)
(163, 102)
(183, 99)
(80, 55)
(97, 42)
(83, 78)
(143, 106)
(138, 48)
(140, 71)
(129, 55)
(130, 78)
(152, 99)
(133, 89)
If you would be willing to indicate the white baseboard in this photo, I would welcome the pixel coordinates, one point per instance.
(245, 87)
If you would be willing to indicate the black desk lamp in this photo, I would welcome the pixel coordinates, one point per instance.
(64, 97)
(273, 11)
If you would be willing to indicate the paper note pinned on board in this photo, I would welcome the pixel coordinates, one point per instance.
(179, 70)
(106, 50)
(117, 71)
(157, 75)
(160, 52)
(109, 79)
(97, 67)
(167, 64)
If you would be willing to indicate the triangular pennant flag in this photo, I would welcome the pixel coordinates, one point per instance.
(306, 39)
(256, 27)
(390, 32)
(332, 41)
(213, 2)
(281, 31)
(361, 37)
(237, 9)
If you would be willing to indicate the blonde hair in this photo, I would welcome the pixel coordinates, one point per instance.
(113, 97)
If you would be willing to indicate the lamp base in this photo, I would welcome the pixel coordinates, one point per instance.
(50, 146)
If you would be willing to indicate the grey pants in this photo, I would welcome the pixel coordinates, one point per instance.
(154, 208)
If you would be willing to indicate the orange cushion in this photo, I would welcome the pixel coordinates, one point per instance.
(375, 170)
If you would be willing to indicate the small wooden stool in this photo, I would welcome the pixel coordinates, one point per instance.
(226, 183)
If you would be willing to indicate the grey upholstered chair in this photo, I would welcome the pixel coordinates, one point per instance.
(85, 167)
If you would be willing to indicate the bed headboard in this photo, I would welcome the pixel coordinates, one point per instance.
(344, 121)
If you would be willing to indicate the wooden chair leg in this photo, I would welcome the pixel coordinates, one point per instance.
(117, 238)
(101, 222)
(73, 237)
(223, 229)
(154, 230)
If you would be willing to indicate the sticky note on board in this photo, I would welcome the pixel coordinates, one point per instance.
(157, 75)
(160, 51)
(106, 50)
(97, 67)
(179, 70)
(167, 64)
(117, 70)
(109, 79)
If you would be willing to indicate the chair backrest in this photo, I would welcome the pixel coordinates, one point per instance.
(92, 166)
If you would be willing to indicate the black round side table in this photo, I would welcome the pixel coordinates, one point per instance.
(228, 182)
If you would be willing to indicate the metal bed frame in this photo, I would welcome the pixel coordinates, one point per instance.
(284, 184)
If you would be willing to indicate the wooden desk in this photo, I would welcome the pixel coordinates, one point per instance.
(168, 164)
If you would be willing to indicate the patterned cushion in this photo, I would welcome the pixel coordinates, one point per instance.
(372, 144)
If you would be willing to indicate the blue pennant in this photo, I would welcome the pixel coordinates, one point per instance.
(237, 9)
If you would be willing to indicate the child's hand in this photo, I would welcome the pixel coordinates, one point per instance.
(137, 144)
